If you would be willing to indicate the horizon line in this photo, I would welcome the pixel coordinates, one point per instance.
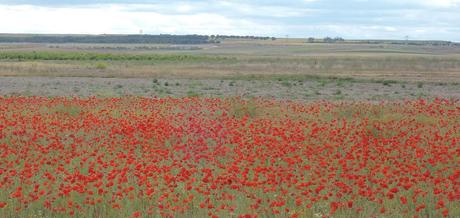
(235, 35)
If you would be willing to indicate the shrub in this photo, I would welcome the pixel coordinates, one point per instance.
(101, 66)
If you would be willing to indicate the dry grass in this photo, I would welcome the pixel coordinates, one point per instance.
(256, 57)
(427, 70)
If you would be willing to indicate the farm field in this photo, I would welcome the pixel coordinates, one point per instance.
(198, 157)
(253, 68)
(233, 59)
(301, 88)
(243, 128)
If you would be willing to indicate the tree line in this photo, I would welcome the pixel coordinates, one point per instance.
(221, 37)
(128, 39)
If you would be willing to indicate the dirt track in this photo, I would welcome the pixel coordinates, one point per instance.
(306, 90)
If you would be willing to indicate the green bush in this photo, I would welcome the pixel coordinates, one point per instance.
(101, 66)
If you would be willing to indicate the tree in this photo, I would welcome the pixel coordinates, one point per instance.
(338, 39)
(328, 40)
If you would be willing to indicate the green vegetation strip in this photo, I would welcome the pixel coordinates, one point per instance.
(308, 77)
(87, 56)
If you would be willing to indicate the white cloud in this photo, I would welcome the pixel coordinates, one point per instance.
(267, 10)
(428, 3)
(424, 19)
(441, 3)
(119, 18)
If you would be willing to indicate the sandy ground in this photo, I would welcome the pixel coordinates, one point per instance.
(305, 90)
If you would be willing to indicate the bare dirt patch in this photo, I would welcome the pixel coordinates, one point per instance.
(279, 89)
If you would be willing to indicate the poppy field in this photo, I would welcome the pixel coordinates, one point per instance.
(228, 157)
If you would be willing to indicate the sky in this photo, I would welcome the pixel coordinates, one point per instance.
(350, 19)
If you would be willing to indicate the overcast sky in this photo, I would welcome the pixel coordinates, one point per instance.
(350, 19)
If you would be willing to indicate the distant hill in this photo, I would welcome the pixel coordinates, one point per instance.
(115, 38)
(393, 42)
(187, 39)
(134, 39)
(410, 42)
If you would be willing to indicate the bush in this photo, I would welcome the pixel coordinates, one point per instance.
(101, 66)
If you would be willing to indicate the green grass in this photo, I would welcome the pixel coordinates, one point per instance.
(91, 56)
(101, 66)
(192, 93)
(285, 80)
